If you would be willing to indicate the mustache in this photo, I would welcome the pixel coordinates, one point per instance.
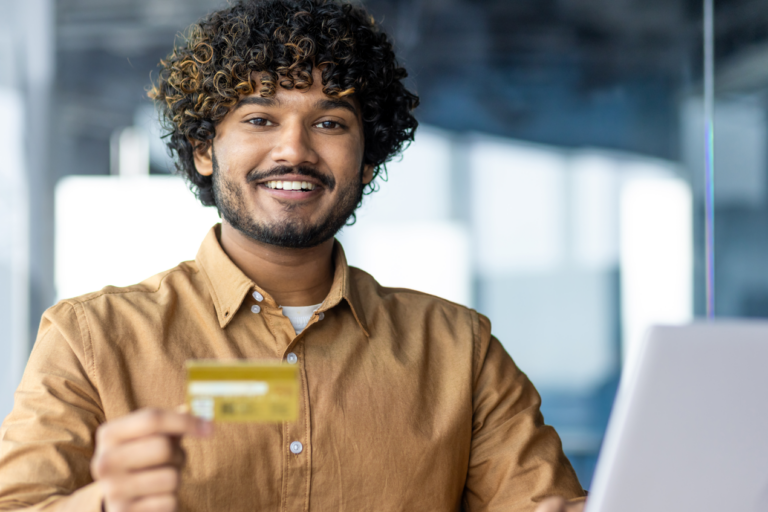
(256, 175)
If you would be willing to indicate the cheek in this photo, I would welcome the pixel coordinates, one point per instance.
(242, 153)
(249, 152)
(347, 158)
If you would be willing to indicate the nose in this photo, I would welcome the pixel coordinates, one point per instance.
(293, 146)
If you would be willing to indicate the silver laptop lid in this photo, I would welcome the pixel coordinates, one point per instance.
(689, 428)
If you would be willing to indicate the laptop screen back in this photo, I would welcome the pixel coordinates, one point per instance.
(689, 429)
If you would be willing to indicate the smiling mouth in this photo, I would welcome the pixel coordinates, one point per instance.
(290, 185)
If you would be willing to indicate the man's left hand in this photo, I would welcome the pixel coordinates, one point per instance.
(560, 505)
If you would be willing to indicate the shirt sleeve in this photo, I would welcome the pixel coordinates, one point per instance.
(47, 441)
(515, 460)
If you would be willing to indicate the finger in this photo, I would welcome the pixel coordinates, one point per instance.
(576, 506)
(135, 486)
(180, 454)
(148, 422)
(161, 503)
(139, 454)
(552, 505)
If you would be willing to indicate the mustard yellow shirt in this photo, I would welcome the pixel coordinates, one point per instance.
(407, 401)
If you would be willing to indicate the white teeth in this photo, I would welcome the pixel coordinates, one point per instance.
(290, 185)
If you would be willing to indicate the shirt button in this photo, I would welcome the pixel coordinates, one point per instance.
(321, 316)
(296, 447)
(292, 358)
(259, 297)
(255, 308)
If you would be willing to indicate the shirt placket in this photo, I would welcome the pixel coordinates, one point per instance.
(295, 446)
(297, 443)
(296, 436)
(297, 473)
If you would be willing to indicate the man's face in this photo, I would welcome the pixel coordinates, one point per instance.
(287, 170)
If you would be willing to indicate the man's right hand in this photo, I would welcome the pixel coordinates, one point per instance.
(560, 505)
(138, 459)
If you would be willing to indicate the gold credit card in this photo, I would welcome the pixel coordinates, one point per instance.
(243, 391)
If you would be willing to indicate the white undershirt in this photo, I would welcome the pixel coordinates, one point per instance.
(300, 315)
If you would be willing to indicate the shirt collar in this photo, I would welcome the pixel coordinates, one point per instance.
(229, 285)
(344, 287)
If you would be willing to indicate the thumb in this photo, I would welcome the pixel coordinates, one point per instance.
(554, 504)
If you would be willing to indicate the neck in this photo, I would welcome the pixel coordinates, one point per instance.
(293, 277)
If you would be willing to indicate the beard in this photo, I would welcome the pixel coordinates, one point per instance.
(292, 233)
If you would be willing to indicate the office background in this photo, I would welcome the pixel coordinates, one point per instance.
(555, 183)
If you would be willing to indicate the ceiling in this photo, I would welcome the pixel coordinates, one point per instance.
(606, 73)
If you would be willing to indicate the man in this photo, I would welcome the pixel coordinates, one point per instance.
(280, 113)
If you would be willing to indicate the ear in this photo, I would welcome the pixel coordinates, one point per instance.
(367, 173)
(203, 157)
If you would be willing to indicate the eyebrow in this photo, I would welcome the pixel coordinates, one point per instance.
(331, 104)
(324, 104)
(257, 100)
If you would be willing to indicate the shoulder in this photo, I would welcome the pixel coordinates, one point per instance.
(153, 291)
(404, 306)
(370, 289)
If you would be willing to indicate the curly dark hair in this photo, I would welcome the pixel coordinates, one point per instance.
(281, 40)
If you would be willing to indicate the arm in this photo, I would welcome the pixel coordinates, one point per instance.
(516, 461)
(46, 442)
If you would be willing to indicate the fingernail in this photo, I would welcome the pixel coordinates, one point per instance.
(205, 428)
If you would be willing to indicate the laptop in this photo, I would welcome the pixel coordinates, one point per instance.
(689, 428)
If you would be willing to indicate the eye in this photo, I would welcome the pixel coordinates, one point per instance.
(329, 125)
(260, 121)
